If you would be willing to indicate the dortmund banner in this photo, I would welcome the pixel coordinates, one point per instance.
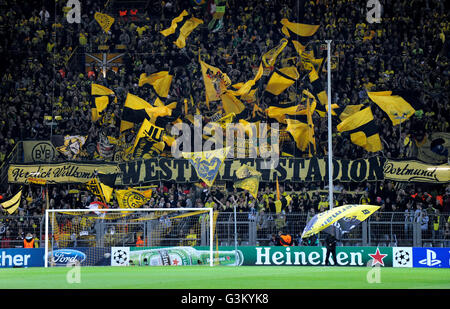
(416, 171)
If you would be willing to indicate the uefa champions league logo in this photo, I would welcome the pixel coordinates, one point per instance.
(402, 257)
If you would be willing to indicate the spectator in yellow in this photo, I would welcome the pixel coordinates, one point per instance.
(191, 238)
(323, 204)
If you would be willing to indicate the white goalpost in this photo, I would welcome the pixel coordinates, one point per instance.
(63, 226)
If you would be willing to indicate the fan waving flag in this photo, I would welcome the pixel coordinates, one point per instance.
(207, 163)
(339, 220)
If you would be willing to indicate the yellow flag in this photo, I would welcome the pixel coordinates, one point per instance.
(397, 108)
(207, 163)
(100, 90)
(100, 105)
(100, 190)
(299, 29)
(226, 119)
(174, 24)
(278, 190)
(132, 198)
(216, 82)
(148, 131)
(282, 79)
(104, 20)
(363, 130)
(248, 179)
(245, 88)
(12, 204)
(231, 104)
(186, 30)
(270, 57)
(161, 82)
(188, 24)
(280, 113)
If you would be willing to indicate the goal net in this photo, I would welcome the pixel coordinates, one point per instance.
(133, 237)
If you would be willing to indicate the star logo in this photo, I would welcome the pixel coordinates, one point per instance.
(175, 262)
(377, 258)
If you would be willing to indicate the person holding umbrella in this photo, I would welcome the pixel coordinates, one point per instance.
(330, 243)
(336, 222)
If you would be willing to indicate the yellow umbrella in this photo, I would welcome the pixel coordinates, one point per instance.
(339, 220)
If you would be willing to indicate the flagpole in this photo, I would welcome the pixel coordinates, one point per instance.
(330, 145)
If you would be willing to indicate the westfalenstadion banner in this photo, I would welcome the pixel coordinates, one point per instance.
(289, 169)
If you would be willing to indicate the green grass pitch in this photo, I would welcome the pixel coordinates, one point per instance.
(221, 277)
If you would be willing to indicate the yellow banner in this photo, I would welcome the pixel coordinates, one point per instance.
(68, 172)
(416, 171)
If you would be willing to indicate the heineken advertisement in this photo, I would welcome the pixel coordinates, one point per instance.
(174, 256)
(314, 256)
(257, 256)
(179, 170)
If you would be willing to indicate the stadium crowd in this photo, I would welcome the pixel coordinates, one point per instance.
(41, 76)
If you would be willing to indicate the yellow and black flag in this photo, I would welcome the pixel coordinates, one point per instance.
(13, 203)
(134, 112)
(248, 178)
(301, 128)
(394, 105)
(281, 79)
(181, 27)
(298, 33)
(160, 81)
(247, 87)
(100, 99)
(362, 129)
(319, 91)
(339, 220)
(270, 57)
(149, 141)
(343, 112)
(102, 186)
(281, 111)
